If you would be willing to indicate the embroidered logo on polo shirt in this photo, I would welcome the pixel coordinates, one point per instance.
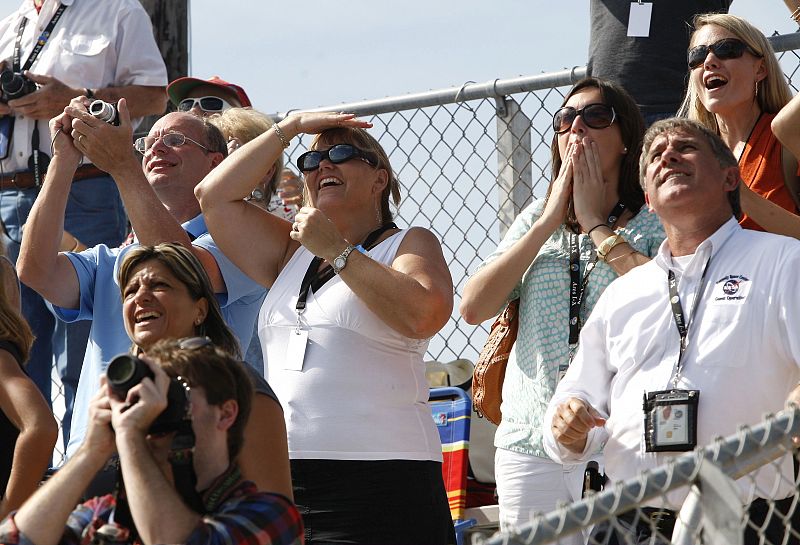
(732, 288)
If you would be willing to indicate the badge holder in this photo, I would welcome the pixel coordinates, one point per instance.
(670, 420)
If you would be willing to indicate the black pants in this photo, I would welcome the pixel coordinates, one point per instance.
(383, 502)
(783, 523)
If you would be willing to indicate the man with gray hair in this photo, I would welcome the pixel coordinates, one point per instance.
(712, 314)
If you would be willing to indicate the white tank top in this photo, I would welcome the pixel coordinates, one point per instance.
(361, 393)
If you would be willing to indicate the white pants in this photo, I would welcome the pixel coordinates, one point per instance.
(529, 484)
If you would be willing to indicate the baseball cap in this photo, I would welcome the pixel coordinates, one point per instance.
(179, 88)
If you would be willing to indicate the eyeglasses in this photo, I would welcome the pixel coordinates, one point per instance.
(207, 104)
(194, 343)
(729, 48)
(596, 116)
(171, 139)
(339, 153)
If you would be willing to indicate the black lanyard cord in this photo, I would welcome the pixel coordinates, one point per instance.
(577, 284)
(681, 322)
(40, 43)
(314, 278)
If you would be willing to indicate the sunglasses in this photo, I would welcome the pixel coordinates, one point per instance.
(596, 116)
(729, 48)
(207, 104)
(339, 153)
(171, 139)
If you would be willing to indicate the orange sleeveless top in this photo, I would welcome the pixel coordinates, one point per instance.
(762, 168)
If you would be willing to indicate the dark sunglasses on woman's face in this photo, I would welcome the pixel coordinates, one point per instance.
(595, 116)
(729, 48)
(339, 153)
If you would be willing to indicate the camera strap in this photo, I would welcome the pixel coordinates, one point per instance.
(40, 43)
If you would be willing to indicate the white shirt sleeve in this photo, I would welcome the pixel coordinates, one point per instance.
(589, 379)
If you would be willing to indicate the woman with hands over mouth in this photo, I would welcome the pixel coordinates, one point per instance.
(591, 227)
(737, 89)
(351, 305)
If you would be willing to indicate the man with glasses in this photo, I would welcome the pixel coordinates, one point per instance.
(714, 314)
(98, 49)
(206, 97)
(159, 197)
(221, 508)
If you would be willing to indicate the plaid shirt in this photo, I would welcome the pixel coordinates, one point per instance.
(236, 514)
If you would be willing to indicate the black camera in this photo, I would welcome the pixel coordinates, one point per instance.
(104, 111)
(126, 371)
(15, 85)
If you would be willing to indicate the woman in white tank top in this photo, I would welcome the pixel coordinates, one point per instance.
(353, 301)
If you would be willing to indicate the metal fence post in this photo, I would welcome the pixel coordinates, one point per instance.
(514, 180)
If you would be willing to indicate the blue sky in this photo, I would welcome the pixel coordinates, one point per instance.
(291, 55)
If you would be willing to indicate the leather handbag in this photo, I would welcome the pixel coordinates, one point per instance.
(490, 369)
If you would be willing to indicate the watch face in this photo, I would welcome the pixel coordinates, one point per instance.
(339, 263)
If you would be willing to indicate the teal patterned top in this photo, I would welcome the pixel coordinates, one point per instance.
(543, 337)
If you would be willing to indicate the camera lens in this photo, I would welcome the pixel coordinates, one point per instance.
(104, 112)
(124, 372)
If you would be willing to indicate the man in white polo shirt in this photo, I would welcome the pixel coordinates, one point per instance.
(713, 315)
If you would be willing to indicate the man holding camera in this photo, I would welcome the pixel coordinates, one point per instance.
(229, 509)
(53, 51)
(158, 192)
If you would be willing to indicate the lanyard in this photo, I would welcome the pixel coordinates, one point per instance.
(40, 43)
(314, 279)
(577, 285)
(680, 318)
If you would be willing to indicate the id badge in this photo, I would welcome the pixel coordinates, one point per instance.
(639, 19)
(670, 420)
(296, 349)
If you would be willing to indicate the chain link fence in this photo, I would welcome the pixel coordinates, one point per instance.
(468, 160)
(713, 511)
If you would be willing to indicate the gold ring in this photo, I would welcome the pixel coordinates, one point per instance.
(80, 136)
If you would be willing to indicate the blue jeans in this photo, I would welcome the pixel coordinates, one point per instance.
(94, 215)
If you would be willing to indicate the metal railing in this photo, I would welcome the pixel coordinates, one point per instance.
(737, 456)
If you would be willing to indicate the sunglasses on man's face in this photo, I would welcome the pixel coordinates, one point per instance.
(339, 153)
(729, 48)
(207, 104)
(595, 116)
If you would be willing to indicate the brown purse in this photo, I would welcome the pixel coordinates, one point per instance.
(490, 369)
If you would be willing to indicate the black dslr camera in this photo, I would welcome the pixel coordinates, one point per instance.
(104, 111)
(126, 371)
(15, 85)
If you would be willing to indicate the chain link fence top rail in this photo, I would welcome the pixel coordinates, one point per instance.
(737, 456)
(468, 160)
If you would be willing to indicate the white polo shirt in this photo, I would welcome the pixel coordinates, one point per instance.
(95, 44)
(743, 351)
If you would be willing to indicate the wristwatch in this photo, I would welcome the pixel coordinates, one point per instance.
(341, 260)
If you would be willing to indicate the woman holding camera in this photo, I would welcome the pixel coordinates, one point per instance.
(737, 88)
(352, 303)
(591, 228)
(28, 431)
(166, 294)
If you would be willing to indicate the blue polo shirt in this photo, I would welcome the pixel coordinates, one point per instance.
(97, 273)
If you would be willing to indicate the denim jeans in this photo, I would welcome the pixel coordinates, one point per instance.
(94, 215)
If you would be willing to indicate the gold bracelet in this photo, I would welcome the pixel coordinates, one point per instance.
(281, 135)
(608, 244)
(613, 259)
